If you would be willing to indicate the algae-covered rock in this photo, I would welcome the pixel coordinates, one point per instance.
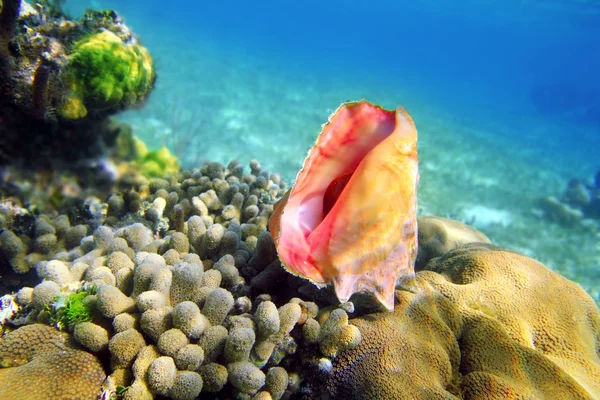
(103, 72)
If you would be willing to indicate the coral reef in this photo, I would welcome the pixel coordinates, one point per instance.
(151, 285)
(482, 322)
(175, 287)
(50, 162)
(578, 206)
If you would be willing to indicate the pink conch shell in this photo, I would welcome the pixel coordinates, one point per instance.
(350, 218)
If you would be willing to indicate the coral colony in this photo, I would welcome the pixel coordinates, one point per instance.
(124, 277)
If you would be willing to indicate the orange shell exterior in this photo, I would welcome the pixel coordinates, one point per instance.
(368, 239)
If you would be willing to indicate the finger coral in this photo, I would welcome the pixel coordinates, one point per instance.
(176, 302)
(336, 335)
(161, 375)
(187, 386)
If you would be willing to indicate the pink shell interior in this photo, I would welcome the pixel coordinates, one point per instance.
(350, 217)
(347, 138)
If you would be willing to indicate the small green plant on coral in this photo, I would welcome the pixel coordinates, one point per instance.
(68, 311)
(121, 390)
(105, 74)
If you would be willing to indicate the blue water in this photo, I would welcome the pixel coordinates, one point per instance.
(479, 62)
(276, 70)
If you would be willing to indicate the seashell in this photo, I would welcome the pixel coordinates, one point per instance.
(350, 218)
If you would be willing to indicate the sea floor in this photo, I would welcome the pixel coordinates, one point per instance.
(221, 103)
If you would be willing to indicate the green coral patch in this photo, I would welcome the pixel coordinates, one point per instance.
(72, 310)
(106, 74)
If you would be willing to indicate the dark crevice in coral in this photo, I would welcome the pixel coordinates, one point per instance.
(41, 144)
(8, 25)
(10, 281)
(8, 21)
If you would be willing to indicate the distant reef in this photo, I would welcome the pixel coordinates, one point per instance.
(60, 80)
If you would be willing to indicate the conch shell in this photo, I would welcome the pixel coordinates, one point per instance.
(350, 217)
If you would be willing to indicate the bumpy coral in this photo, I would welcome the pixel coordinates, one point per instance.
(437, 236)
(91, 336)
(161, 265)
(186, 296)
(482, 322)
(40, 363)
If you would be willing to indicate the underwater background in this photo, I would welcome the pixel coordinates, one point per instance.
(505, 96)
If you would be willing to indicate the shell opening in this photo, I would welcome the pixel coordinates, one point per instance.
(333, 191)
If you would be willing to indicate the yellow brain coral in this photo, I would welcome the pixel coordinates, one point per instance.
(44, 365)
(437, 236)
(481, 323)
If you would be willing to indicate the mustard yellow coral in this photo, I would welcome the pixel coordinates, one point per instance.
(481, 323)
(43, 364)
(437, 236)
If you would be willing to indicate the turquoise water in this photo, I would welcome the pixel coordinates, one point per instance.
(505, 95)
(479, 62)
